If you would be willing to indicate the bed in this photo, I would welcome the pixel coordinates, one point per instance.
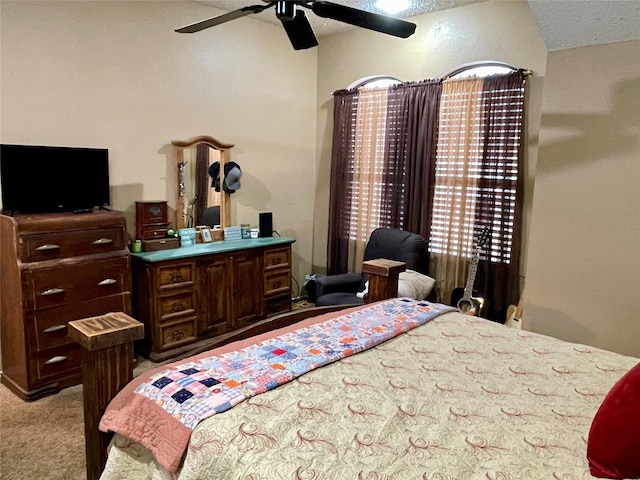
(445, 396)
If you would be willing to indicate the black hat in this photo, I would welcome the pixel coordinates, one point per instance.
(232, 174)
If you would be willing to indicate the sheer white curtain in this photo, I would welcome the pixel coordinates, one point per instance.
(368, 171)
(458, 164)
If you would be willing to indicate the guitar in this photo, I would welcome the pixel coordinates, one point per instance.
(514, 314)
(464, 298)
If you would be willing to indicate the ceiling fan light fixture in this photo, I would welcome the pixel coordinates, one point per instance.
(285, 11)
(392, 7)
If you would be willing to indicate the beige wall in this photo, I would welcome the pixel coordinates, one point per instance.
(503, 31)
(582, 247)
(583, 281)
(116, 75)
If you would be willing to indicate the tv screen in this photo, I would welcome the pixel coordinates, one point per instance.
(41, 179)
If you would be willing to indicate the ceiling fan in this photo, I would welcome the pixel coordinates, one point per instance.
(297, 25)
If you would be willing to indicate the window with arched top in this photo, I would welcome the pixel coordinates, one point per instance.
(443, 158)
(479, 69)
(375, 81)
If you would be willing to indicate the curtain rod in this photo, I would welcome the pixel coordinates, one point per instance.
(526, 72)
(484, 63)
(364, 81)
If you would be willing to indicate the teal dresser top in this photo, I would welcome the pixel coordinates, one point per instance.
(211, 248)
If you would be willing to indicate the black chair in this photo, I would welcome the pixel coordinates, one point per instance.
(210, 216)
(389, 243)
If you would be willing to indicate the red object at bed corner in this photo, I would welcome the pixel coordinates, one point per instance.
(613, 448)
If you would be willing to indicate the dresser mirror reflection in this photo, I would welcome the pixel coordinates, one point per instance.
(197, 202)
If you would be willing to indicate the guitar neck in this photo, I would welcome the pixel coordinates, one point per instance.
(471, 278)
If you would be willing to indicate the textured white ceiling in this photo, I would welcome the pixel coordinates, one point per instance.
(563, 23)
(577, 23)
(325, 26)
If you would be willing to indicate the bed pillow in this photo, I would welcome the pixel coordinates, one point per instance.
(413, 284)
(613, 447)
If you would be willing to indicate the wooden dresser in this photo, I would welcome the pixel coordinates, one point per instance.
(56, 268)
(189, 295)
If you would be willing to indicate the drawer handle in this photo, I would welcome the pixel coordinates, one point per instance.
(103, 241)
(176, 278)
(47, 247)
(55, 328)
(52, 291)
(277, 284)
(107, 281)
(177, 306)
(177, 335)
(56, 359)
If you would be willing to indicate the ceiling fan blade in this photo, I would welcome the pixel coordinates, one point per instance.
(364, 19)
(210, 22)
(299, 31)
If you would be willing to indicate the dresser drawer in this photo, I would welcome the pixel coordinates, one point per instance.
(278, 304)
(50, 326)
(71, 283)
(175, 275)
(178, 333)
(49, 246)
(277, 258)
(178, 304)
(148, 232)
(277, 282)
(56, 361)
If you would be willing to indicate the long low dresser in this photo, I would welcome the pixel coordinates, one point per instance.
(188, 295)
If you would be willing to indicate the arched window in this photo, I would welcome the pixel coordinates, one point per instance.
(375, 81)
(366, 167)
(442, 158)
(479, 69)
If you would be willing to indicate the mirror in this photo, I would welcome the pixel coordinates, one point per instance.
(194, 193)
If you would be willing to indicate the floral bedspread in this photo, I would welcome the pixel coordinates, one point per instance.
(456, 398)
(161, 412)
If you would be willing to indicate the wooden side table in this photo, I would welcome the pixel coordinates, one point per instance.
(383, 278)
(107, 366)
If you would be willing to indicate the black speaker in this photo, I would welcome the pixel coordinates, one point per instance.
(266, 224)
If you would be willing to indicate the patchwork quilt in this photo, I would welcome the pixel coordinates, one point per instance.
(182, 395)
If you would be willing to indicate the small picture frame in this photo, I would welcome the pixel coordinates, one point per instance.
(206, 235)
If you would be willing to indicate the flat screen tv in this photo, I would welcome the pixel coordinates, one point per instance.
(43, 179)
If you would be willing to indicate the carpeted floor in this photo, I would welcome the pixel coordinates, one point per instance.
(44, 439)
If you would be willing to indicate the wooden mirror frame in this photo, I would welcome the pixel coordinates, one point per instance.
(225, 198)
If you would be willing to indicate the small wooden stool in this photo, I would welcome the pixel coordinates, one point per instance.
(107, 366)
(383, 278)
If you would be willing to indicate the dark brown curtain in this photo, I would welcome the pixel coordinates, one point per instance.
(345, 104)
(204, 182)
(411, 142)
(410, 163)
(411, 139)
(502, 180)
